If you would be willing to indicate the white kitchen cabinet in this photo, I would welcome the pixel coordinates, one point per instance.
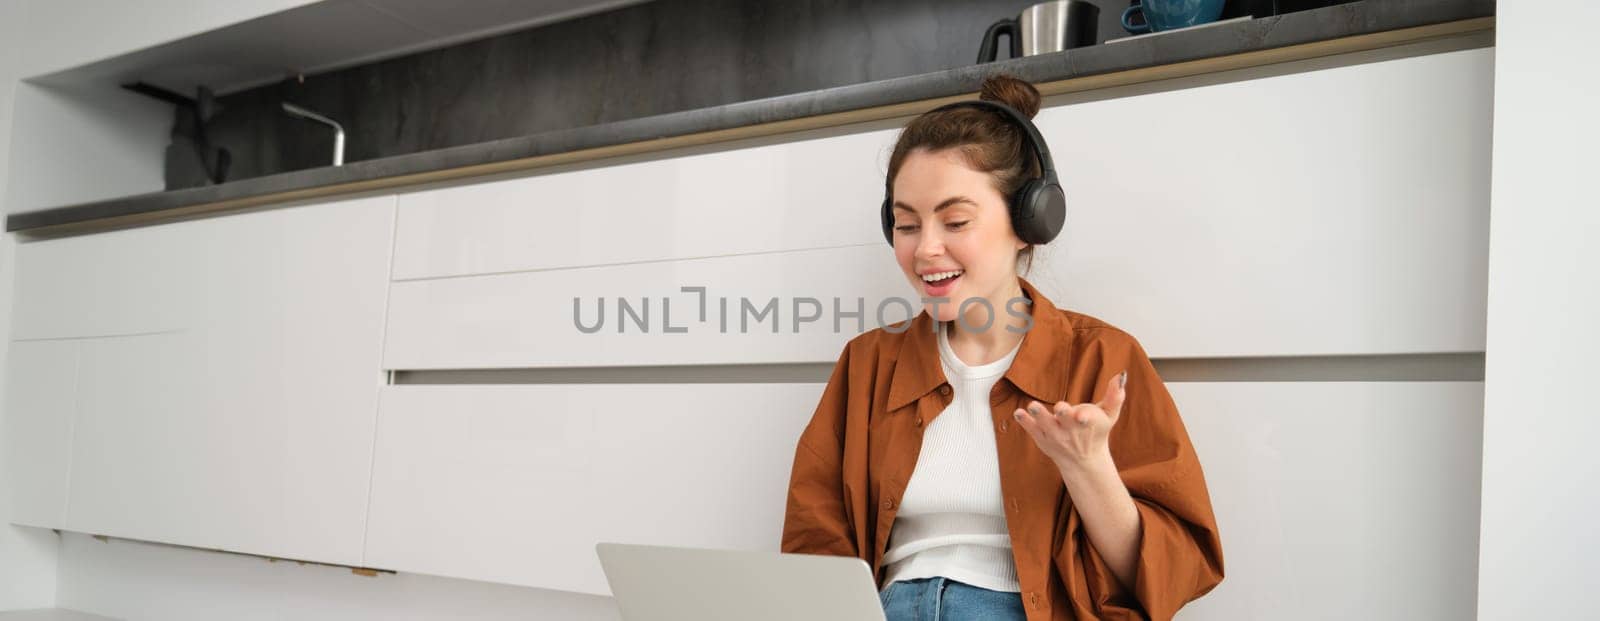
(227, 377)
(792, 192)
(526, 319)
(1277, 216)
(38, 422)
(516, 483)
(1338, 211)
(1340, 500)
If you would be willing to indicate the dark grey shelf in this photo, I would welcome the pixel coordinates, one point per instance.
(1336, 22)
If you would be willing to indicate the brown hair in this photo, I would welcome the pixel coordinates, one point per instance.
(988, 141)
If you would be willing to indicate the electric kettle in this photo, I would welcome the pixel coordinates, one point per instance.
(1043, 28)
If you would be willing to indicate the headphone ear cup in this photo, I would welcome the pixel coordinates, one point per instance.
(1038, 211)
(888, 222)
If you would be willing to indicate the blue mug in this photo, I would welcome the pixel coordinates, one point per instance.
(1162, 15)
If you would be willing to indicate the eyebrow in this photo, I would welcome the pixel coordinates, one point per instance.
(945, 203)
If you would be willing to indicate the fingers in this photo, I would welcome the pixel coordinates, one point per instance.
(1026, 419)
(1116, 393)
(1074, 413)
(1034, 417)
(1058, 415)
(1063, 413)
(1038, 413)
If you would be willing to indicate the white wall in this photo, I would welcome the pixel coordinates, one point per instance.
(1540, 550)
(81, 144)
(27, 555)
(62, 34)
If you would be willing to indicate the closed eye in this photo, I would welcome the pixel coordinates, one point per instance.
(911, 228)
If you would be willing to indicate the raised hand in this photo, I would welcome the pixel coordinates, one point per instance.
(1074, 435)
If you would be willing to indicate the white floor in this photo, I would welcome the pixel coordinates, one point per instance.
(144, 582)
(51, 614)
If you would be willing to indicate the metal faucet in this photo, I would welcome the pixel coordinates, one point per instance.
(338, 130)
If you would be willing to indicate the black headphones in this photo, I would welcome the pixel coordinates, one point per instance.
(1039, 207)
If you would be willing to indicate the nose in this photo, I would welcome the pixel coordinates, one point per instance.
(929, 243)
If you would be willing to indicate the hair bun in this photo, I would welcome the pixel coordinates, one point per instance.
(1012, 91)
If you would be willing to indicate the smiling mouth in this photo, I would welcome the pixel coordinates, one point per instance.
(942, 285)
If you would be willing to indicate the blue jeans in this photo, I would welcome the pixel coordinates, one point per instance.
(941, 599)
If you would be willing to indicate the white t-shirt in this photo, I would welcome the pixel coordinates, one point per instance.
(951, 521)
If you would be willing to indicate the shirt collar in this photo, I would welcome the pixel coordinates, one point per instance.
(1043, 351)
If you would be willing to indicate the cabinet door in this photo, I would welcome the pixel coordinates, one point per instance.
(517, 483)
(1328, 212)
(1340, 500)
(791, 192)
(41, 381)
(228, 374)
(768, 308)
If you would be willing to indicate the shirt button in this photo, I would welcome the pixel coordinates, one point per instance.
(1033, 597)
(888, 503)
(944, 390)
(1014, 503)
(1005, 426)
(919, 421)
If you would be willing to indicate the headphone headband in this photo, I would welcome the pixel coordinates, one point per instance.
(1030, 132)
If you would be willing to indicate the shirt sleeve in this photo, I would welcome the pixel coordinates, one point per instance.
(1180, 551)
(816, 520)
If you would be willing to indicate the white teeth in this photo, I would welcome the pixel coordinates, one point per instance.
(940, 276)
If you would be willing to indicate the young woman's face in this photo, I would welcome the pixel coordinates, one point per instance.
(949, 219)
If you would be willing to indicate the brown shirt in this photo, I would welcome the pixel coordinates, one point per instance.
(855, 457)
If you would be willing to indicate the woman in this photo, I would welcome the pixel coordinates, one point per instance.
(998, 457)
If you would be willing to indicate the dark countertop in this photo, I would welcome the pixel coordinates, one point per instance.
(1335, 22)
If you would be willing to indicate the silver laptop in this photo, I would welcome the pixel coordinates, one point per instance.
(660, 583)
